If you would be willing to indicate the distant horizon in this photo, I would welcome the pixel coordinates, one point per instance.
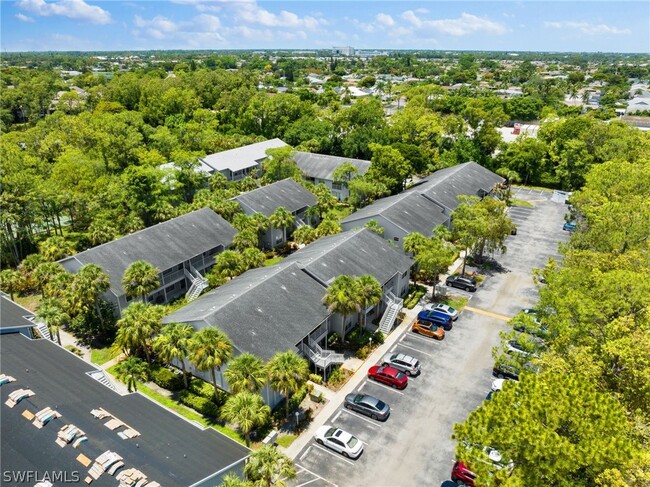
(220, 25)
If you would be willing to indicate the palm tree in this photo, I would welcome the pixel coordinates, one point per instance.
(173, 342)
(210, 348)
(55, 248)
(246, 372)
(130, 371)
(327, 227)
(139, 279)
(51, 312)
(287, 374)
(248, 410)
(369, 293)
(139, 324)
(233, 480)
(282, 219)
(245, 239)
(91, 282)
(341, 297)
(10, 281)
(229, 263)
(304, 235)
(252, 258)
(268, 466)
(44, 273)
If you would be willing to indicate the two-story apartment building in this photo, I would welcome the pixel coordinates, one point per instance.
(320, 169)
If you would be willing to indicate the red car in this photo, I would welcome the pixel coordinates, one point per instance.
(462, 475)
(388, 376)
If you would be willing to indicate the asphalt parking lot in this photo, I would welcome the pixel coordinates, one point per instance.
(414, 447)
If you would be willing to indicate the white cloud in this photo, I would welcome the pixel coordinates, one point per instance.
(464, 25)
(202, 28)
(73, 9)
(385, 19)
(248, 11)
(587, 28)
(24, 18)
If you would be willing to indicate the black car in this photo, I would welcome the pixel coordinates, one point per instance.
(368, 405)
(505, 371)
(462, 282)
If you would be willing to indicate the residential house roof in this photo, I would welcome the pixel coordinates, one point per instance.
(321, 166)
(444, 186)
(169, 449)
(411, 212)
(263, 311)
(354, 253)
(12, 315)
(286, 193)
(163, 245)
(429, 203)
(241, 158)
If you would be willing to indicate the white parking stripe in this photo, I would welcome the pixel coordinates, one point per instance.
(316, 475)
(362, 384)
(386, 387)
(421, 338)
(308, 482)
(416, 349)
(306, 451)
(337, 416)
(372, 423)
(337, 455)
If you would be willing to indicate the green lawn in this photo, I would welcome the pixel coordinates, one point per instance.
(286, 440)
(29, 302)
(273, 261)
(525, 204)
(184, 411)
(100, 356)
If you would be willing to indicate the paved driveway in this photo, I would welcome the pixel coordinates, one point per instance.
(414, 447)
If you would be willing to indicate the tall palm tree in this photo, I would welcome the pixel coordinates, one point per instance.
(10, 281)
(229, 263)
(210, 348)
(341, 297)
(140, 278)
(51, 312)
(173, 342)
(248, 410)
(139, 324)
(246, 372)
(369, 293)
(288, 372)
(253, 258)
(268, 466)
(282, 219)
(91, 282)
(45, 272)
(130, 371)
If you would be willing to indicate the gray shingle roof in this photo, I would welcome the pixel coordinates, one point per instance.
(241, 158)
(444, 186)
(419, 209)
(263, 311)
(411, 212)
(164, 245)
(355, 253)
(169, 450)
(322, 166)
(286, 193)
(13, 315)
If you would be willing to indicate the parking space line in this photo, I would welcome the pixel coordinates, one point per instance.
(316, 475)
(389, 388)
(306, 451)
(362, 384)
(308, 482)
(336, 417)
(416, 349)
(372, 423)
(337, 455)
(421, 338)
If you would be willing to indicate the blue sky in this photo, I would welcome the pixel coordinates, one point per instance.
(84, 25)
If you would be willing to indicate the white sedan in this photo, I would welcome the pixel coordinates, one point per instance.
(442, 308)
(339, 441)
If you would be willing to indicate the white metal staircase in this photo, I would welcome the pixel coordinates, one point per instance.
(102, 377)
(199, 283)
(319, 357)
(43, 330)
(393, 306)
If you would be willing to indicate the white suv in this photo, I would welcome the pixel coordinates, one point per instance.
(407, 364)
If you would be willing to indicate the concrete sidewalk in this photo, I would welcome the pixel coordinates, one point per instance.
(336, 398)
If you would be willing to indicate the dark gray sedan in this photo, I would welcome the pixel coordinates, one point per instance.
(368, 405)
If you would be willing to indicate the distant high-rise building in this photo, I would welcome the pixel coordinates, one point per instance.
(343, 51)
